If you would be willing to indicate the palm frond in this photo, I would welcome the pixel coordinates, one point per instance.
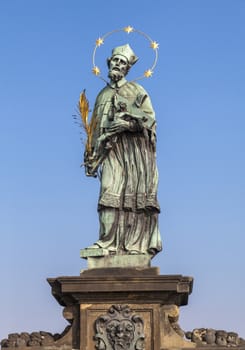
(83, 107)
(89, 127)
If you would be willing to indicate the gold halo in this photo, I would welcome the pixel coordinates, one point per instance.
(153, 45)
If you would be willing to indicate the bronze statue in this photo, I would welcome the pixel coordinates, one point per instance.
(123, 153)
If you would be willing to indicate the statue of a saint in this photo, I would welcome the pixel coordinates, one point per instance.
(124, 145)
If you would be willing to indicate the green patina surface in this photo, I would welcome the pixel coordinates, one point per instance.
(124, 144)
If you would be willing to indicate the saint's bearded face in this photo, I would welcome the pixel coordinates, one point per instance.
(118, 68)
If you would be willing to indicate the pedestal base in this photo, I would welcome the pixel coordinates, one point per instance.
(124, 308)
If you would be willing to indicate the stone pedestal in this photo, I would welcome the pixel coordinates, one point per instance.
(123, 308)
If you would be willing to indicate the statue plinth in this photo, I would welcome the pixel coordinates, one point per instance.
(100, 258)
(137, 308)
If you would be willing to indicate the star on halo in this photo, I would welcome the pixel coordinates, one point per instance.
(148, 73)
(96, 70)
(154, 45)
(128, 29)
(99, 42)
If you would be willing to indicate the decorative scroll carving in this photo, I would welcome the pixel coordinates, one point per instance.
(171, 318)
(119, 329)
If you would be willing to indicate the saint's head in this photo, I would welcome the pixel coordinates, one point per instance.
(120, 62)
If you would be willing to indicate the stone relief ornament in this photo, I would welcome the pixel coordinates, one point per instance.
(34, 339)
(119, 329)
(209, 336)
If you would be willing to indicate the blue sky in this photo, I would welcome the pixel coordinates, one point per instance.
(48, 206)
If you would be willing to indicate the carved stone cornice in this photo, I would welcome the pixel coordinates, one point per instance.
(117, 287)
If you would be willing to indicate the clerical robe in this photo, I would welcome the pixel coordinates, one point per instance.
(128, 207)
